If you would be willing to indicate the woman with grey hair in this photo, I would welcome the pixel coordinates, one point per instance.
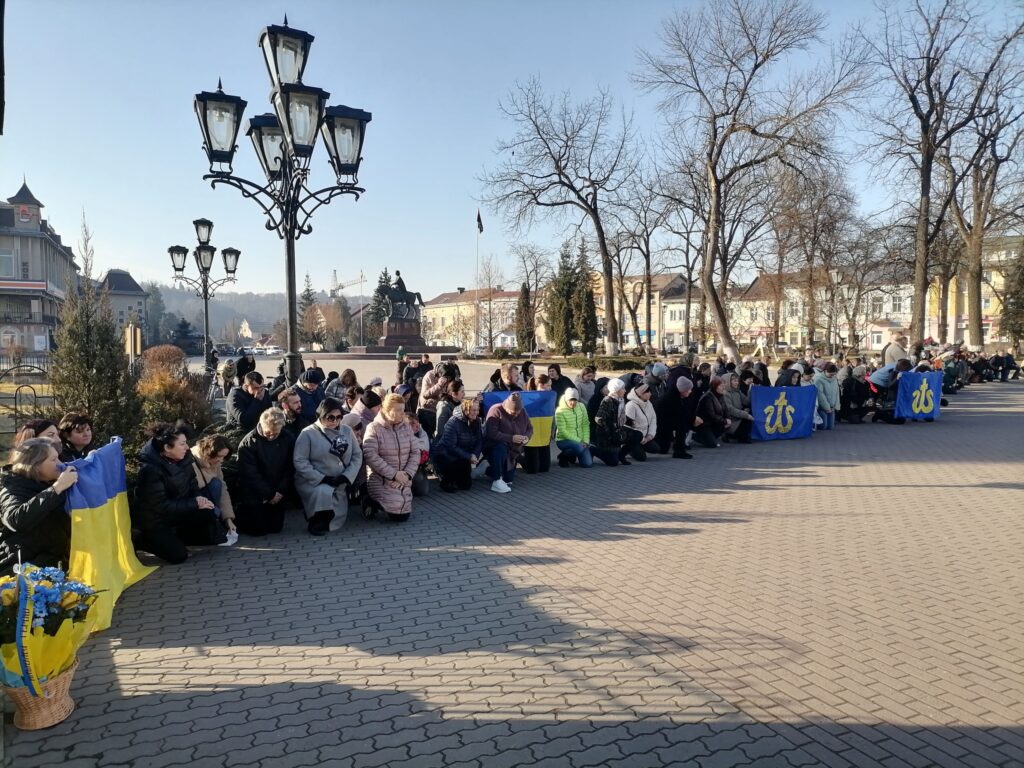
(327, 460)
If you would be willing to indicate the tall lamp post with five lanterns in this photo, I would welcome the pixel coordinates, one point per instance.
(284, 141)
(204, 286)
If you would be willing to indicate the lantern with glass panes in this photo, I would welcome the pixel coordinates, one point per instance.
(284, 141)
(203, 286)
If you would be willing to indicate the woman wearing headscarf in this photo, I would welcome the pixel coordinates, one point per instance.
(611, 444)
(327, 459)
(854, 396)
(641, 420)
(392, 457)
(737, 404)
(713, 413)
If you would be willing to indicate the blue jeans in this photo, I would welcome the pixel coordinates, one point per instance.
(579, 450)
(496, 458)
(828, 420)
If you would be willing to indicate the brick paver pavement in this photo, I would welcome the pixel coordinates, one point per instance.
(852, 599)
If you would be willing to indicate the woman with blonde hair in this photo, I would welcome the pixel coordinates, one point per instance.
(392, 457)
(33, 522)
(459, 447)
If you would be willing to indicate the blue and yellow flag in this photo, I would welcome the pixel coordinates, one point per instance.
(782, 413)
(540, 407)
(102, 554)
(919, 395)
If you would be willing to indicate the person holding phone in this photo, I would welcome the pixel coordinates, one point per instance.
(33, 521)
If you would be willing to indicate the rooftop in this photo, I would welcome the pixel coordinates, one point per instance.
(120, 281)
(24, 197)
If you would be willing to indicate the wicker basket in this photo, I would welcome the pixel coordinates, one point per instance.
(33, 713)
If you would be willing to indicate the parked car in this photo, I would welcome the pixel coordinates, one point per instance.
(273, 351)
(259, 350)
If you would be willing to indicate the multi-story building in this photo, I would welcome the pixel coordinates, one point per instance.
(36, 271)
(128, 300)
(997, 254)
(467, 318)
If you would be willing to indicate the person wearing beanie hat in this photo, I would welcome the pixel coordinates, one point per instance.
(367, 407)
(610, 444)
(310, 393)
(376, 381)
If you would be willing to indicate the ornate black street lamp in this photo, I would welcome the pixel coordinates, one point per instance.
(284, 141)
(204, 286)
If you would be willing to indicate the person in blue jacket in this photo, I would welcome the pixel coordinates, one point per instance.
(460, 446)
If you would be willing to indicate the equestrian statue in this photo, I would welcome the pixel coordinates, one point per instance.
(396, 295)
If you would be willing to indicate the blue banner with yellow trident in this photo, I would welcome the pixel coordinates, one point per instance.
(782, 413)
(919, 395)
(539, 406)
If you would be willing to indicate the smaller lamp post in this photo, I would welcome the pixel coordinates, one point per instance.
(204, 286)
(458, 315)
(834, 277)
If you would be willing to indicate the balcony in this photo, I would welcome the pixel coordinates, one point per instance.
(18, 317)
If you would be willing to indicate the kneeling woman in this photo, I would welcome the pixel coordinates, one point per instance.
(392, 458)
(32, 516)
(169, 507)
(327, 460)
(714, 414)
(459, 447)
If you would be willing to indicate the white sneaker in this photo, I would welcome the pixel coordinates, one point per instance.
(500, 486)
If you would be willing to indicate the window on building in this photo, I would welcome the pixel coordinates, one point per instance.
(876, 340)
(986, 302)
(986, 276)
(769, 315)
(794, 338)
(877, 306)
(753, 314)
(897, 304)
(6, 263)
(24, 270)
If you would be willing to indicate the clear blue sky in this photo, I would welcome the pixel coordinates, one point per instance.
(99, 117)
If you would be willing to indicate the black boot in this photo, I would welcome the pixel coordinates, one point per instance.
(563, 461)
(320, 522)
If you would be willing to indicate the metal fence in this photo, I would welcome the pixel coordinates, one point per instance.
(24, 394)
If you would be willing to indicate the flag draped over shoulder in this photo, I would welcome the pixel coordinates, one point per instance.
(102, 554)
(782, 413)
(540, 407)
(918, 395)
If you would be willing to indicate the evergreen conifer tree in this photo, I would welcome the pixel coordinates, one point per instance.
(526, 335)
(584, 306)
(377, 312)
(89, 371)
(559, 302)
(1012, 324)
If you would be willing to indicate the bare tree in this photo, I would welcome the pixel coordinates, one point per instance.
(937, 71)
(683, 223)
(533, 267)
(492, 279)
(565, 157)
(719, 71)
(983, 172)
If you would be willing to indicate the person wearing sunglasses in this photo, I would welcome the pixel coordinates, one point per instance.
(327, 460)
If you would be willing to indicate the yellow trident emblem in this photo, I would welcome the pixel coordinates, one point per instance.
(924, 401)
(782, 413)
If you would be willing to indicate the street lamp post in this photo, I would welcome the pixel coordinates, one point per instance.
(835, 276)
(284, 141)
(458, 315)
(204, 286)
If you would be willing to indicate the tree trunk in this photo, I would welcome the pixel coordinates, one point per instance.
(707, 275)
(611, 322)
(647, 295)
(917, 322)
(944, 281)
(973, 269)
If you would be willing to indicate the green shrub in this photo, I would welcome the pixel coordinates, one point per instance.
(501, 354)
(603, 363)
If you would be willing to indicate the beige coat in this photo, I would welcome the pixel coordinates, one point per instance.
(387, 450)
(204, 473)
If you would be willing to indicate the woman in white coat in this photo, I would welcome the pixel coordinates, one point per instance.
(640, 417)
(327, 460)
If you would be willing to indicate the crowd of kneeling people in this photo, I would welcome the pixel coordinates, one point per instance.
(328, 443)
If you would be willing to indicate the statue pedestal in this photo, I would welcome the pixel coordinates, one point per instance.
(400, 332)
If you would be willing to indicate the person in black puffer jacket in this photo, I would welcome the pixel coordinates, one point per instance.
(168, 507)
(714, 413)
(265, 475)
(610, 445)
(33, 521)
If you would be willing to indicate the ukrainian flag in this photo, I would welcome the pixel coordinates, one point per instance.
(102, 554)
(540, 407)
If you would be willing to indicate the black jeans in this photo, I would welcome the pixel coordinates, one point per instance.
(168, 540)
(428, 420)
(260, 519)
(455, 474)
(707, 435)
(536, 460)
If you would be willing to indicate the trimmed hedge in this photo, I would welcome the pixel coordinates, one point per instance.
(604, 363)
